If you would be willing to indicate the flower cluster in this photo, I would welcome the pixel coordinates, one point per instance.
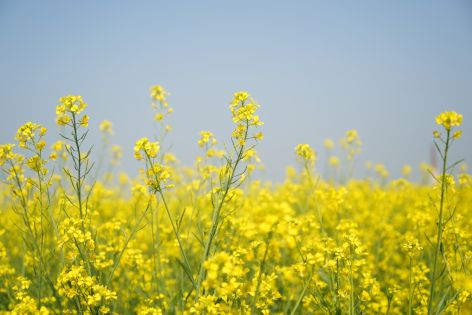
(306, 153)
(69, 108)
(74, 282)
(161, 106)
(412, 246)
(6, 152)
(106, 127)
(351, 143)
(146, 147)
(27, 133)
(59, 149)
(243, 110)
(158, 93)
(206, 137)
(449, 120)
(158, 177)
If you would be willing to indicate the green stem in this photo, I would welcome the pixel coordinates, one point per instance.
(216, 215)
(440, 226)
(78, 187)
(313, 187)
(259, 278)
(351, 280)
(410, 290)
(122, 251)
(78, 184)
(174, 227)
(302, 294)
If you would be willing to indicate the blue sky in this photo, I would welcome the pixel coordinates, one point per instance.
(318, 68)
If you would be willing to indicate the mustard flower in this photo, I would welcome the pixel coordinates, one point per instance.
(457, 134)
(305, 152)
(70, 104)
(84, 121)
(27, 132)
(158, 93)
(206, 137)
(143, 145)
(106, 127)
(6, 152)
(328, 144)
(449, 120)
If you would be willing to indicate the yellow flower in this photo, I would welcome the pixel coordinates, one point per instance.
(34, 163)
(406, 170)
(158, 93)
(62, 119)
(352, 136)
(58, 145)
(53, 156)
(84, 121)
(6, 152)
(116, 151)
(70, 104)
(240, 97)
(449, 120)
(149, 148)
(206, 137)
(157, 177)
(328, 144)
(158, 117)
(259, 136)
(411, 246)
(381, 170)
(305, 152)
(333, 160)
(244, 116)
(27, 132)
(40, 145)
(245, 113)
(457, 134)
(106, 127)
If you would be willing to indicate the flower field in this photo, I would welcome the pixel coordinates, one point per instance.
(212, 239)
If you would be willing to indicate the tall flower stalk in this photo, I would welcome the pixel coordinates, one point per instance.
(448, 120)
(69, 114)
(243, 110)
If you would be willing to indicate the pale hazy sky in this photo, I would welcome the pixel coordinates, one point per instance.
(318, 68)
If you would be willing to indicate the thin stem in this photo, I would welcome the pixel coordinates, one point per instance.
(259, 278)
(351, 280)
(131, 235)
(78, 184)
(216, 213)
(440, 226)
(410, 290)
(302, 294)
(174, 227)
